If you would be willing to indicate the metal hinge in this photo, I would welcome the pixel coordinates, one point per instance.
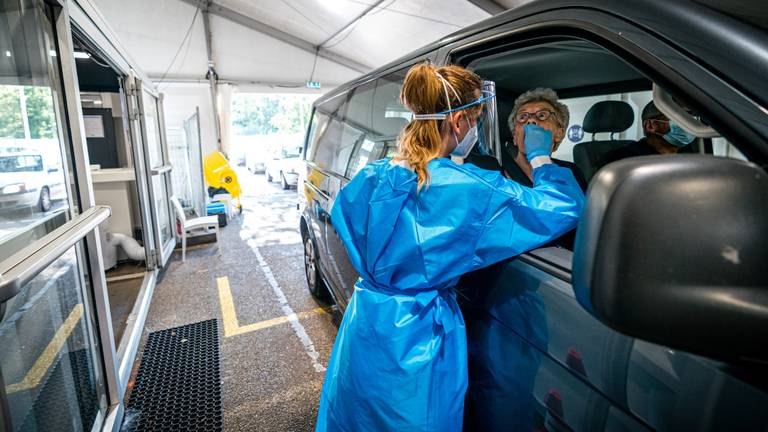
(130, 88)
(152, 259)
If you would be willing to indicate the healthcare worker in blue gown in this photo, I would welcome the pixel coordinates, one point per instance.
(412, 226)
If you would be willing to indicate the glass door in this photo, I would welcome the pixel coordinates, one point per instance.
(159, 173)
(51, 376)
(52, 368)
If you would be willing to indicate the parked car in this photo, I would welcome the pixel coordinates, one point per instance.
(29, 180)
(256, 161)
(284, 165)
(657, 319)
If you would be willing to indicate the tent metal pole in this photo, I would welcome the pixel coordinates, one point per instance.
(211, 74)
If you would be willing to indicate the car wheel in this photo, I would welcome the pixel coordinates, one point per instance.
(311, 269)
(283, 182)
(45, 199)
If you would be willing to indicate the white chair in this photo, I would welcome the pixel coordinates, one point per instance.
(227, 198)
(206, 222)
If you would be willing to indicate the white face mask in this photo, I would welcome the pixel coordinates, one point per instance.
(465, 146)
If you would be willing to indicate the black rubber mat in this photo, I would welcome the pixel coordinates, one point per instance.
(178, 387)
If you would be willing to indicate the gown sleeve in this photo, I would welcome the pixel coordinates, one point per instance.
(518, 218)
(351, 203)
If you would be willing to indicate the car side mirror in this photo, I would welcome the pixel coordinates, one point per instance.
(674, 250)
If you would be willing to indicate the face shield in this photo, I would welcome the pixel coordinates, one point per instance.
(487, 121)
(488, 142)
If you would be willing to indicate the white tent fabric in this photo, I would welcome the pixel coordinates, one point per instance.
(155, 34)
(273, 46)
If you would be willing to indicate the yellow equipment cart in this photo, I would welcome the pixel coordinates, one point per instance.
(220, 175)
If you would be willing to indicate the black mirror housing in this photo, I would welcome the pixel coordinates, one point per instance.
(674, 250)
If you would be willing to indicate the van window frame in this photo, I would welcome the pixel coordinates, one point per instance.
(643, 50)
(381, 141)
(557, 261)
(347, 93)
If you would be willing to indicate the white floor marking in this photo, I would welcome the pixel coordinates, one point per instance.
(297, 327)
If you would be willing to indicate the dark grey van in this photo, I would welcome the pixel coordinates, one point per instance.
(656, 318)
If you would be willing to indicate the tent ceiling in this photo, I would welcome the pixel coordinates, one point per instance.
(167, 37)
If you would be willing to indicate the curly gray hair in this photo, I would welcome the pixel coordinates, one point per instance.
(541, 94)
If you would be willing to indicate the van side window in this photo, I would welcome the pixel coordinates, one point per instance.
(325, 136)
(388, 117)
(357, 126)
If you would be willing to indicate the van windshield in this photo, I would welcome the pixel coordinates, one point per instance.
(21, 163)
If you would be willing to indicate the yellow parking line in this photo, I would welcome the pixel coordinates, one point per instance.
(35, 375)
(228, 314)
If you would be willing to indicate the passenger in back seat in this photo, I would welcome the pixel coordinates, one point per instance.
(539, 106)
(662, 137)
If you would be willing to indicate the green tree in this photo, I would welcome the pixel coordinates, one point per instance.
(42, 123)
(294, 114)
(11, 125)
(267, 114)
(251, 114)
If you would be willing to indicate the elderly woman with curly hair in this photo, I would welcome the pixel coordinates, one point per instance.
(540, 107)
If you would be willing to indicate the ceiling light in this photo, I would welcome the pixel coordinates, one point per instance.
(7, 53)
(82, 55)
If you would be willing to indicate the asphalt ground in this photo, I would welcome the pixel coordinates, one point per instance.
(275, 337)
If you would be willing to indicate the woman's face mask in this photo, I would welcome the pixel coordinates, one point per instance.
(464, 146)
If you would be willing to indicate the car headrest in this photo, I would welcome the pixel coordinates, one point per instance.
(609, 116)
(390, 125)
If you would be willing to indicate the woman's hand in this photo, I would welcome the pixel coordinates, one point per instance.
(538, 142)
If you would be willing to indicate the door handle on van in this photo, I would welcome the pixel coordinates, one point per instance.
(161, 169)
(48, 249)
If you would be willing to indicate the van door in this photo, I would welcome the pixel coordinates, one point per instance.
(321, 182)
(356, 127)
(538, 360)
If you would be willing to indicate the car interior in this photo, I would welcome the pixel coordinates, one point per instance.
(605, 96)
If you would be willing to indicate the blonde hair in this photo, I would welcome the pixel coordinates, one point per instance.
(424, 92)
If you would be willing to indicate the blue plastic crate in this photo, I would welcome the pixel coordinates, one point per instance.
(216, 208)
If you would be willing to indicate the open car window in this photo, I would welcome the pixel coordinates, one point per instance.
(585, 76)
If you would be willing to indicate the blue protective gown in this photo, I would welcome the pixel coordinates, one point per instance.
(399, 362)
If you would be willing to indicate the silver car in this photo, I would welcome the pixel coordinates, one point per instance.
(28, 180)
(284, 166)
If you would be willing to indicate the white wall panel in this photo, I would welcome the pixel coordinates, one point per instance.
(179, 103)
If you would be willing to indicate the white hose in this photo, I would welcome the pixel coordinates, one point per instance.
(130, 246)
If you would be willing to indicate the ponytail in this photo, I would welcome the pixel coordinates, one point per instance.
(423, 92)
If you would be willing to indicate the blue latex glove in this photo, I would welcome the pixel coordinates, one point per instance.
(538, 142)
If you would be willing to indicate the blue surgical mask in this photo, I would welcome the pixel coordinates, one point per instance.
(465, 146)
(677, 136)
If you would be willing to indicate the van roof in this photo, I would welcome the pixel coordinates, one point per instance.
(735, 31)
